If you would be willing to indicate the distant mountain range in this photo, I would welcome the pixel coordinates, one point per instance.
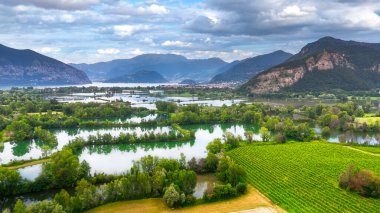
(328, 63)
(29, 68)
(188, 82)
(242, 71)
(171, 67)
(142, 76)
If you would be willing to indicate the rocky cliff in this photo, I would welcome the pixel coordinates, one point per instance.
(328, 63)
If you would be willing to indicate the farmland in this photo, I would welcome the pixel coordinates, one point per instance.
(304, 176)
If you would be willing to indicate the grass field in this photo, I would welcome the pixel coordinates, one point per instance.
(303, 177)
(253, 199)
(368, 120)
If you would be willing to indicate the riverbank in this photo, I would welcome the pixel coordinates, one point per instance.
(31, 163)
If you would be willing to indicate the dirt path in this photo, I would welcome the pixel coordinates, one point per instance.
(362, 151)
(259, 210)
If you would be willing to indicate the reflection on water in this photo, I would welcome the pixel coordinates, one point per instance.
(204, 182)
(122, 156)
(350, 137)
(27, 199)
(33, 149)
(31, 172)
(119, 158)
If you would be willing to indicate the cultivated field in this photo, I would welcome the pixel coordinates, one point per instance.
(303, 177)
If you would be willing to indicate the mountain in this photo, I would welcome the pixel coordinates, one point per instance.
(328, 63)
(244, 70)
(172, 67)
(28, 68)
(142, 76)
(188, 82)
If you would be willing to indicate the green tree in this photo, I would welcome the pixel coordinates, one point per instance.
(231, 141)
(45, 206)
(359, 112)
(215, 146)
(249, 136)
(63, 168)
(173, 198)
(265, 134)
(84, 170)
(236, 174)
(326, 131)
(63, 198)
(20, 130)
(10, 181)
(19, 207)
(211, 163)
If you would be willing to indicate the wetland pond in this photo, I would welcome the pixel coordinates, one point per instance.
(119, 158)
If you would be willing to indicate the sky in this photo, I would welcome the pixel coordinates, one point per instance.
(89, 31)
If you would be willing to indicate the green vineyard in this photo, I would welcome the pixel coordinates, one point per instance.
(303, 177)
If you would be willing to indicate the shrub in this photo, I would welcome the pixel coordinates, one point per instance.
(241, 188)
(173, 198)
(280, 138)
(363, 182)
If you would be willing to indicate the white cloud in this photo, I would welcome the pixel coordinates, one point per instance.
(175, 44)
(356, 18)
(62, 4)
(128, 9)
(153, 9)
(109, 51)
(296, 11)
(23, 8)
(67, 18)
(46, 50)
(137, 52)
(128, 30)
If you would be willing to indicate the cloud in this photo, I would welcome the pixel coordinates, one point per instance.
(137, 52)
(296, 11)
(128, 30)
(67, 18)
(132, 10)
(175, 44)
(279, 17)
(152, 9)
(86, 30)
(61, 4)
(109, 51)
(46, 50)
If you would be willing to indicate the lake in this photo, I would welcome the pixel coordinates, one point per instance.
(122, 156)
(144, 100)
(117, 159)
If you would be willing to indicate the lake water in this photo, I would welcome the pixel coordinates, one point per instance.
(33, 149)
(122, 156)
(98, 84)
(116, 159)
(146, 100)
